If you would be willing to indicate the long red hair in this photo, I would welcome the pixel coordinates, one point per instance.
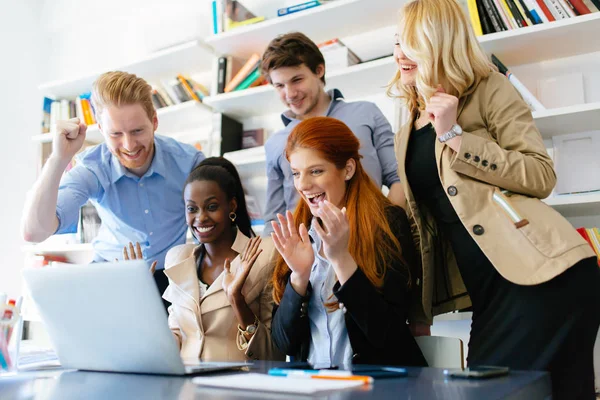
(371, 242)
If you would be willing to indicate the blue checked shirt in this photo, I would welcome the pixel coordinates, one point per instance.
(148, 209)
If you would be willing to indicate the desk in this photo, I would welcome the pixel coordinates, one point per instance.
(422, 383)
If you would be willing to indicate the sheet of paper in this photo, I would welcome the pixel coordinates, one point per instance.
(267, 383)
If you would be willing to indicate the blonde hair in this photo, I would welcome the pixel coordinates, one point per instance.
(437, 35)
(121, 88)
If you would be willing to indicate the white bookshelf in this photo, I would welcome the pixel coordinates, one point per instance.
(192, 56)
(336, 19)
(354, 82)
(246, 157)
(171, 120)
(558, 39)
(571, 205)
(577, 118)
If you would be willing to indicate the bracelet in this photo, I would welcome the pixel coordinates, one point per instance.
(242, 341)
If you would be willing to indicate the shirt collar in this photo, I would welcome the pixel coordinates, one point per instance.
(156, 167)
(336, 96)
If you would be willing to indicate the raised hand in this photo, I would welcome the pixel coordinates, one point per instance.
(443, 111)
(335, 232)
(295, 248)
(68, 138)
(233, 283)
(131, 253)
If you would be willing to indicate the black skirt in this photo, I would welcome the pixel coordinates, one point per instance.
(551, 326)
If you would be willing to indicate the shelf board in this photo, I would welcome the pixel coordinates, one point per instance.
(558, 39)
(255, 155)
(572, 119)
(176, 118)
(580, 204)
(354, 82)
(193, 56)
(336, 19)
(57, 248)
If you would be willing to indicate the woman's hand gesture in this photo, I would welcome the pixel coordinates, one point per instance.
(234, 282)
(335, 234)
(295, 248)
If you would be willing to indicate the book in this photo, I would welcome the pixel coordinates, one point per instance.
(247, 69)
(250, 79)
(526, 13)
(298, 7)
(516, 13)
(236, 15)
(187, 88)
(486, 24)
(502, 14)
(536, 11)
(493, 15)
(474, 16)
(580, 7)
(231, 132)
(509, 16)
(545, 10)
(593, 5)
(529, 98)
(234, 24)
(556, 9)
(253, 138)
(568, 7)
(46, 109)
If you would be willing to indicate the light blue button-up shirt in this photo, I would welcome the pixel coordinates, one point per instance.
(148, 209)
(329, 340)
(369, 125)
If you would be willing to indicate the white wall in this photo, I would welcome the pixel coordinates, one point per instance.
(22, 62)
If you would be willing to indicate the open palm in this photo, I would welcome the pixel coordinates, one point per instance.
(233, 282)
(293, 245)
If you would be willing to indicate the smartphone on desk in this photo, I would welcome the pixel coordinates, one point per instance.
(481, 372)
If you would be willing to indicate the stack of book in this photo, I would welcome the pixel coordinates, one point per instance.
(337, 55)
(62, 109)
(170, 92)
(177, 90)
(231, 78)
(489, 16)
(592, 236)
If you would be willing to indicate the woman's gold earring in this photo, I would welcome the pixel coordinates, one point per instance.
(232, 216)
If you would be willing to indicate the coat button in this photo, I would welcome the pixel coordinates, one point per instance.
(484, 163)
(493, 167)
(467, 155)
(476, 158)
(478, 230)
(452, 191)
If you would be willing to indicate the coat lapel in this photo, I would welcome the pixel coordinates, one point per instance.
(215, 296)
(183, 275)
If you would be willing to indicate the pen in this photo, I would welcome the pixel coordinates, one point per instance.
(318, 374)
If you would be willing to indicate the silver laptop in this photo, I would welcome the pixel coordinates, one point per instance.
(109, 317)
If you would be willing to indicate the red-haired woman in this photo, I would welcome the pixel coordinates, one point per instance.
(343, 277)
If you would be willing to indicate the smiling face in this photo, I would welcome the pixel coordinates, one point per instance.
(407, 67)
(299, 88)
(207, 210)
(317, 179)
(129, 134)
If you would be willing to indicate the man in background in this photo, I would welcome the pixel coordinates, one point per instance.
(295, 67)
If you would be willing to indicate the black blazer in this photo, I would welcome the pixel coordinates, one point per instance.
(375, 319)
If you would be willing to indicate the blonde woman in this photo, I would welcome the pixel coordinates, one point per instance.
(474, 168)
